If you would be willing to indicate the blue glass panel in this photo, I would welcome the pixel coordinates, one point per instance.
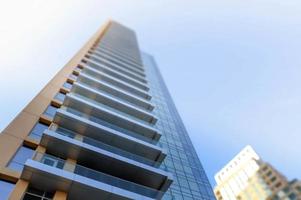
(5, 189)
(37, 131)
(50, 111)
(60, 96)
(190, 180)
(67, 85)
(20, 158)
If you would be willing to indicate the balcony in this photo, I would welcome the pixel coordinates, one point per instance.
(115, 81)
(126, 87)
(119, 51)
(111, 101)
(103, 157)
(98, 112)
(116, 111)
(116, 68)
(118, 62)
(110, 71)
(108, 88)
(118, 57)
(127, 141)
(120, 54)
(51, 173)
(135, 104)
(52, 137)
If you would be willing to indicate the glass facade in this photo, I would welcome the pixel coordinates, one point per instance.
(5, 189)
(190, 180)
(50, 111)
(60, 96)
(20, 158)
(67, 85)
(37, 131)
(117, 134)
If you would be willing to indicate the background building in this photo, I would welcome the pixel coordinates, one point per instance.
(104, 127)
(247, 177)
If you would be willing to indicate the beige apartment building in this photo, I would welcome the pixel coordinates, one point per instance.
(104, 128)
(248, 177)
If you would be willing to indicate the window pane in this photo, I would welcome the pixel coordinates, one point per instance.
(73, 76)
(67, 85)
(60, 96)
(5, 189)
(20, 158)
(31, 197)
(35, 191)
(50, 111)
(36, 194)
(16, 166)
(37, 131)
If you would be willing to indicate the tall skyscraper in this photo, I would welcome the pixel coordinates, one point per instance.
(104, 127)
(248, 177)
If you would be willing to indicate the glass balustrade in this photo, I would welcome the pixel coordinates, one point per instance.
(116, 97)
(97, 176)
(114, 110)
(101, 145)
(109, 125)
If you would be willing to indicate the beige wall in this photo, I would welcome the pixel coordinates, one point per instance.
(15, 134)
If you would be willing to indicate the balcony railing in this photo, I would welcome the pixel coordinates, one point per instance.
(98, 176)
(119, 69)
(118, 57)
(124, 114)
(118, 93)
(114, 97)
(107, 147)
(130, 88)
(112, 126)
(117, 60)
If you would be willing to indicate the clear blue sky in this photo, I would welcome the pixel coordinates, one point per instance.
(233, 67)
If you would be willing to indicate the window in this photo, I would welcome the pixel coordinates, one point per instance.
(20, 158)
(5, 189)
(35, 194)
(50, 111)
(37, 131)
(52, 161)
(73, 76)
(67, 85)
(65, 132)
(60, 96)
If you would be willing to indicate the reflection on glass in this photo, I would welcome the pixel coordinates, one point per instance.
(20, 158)
(5, 189)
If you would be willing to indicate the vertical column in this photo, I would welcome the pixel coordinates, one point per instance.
(70, 165)
(19, 190)
(59, 195)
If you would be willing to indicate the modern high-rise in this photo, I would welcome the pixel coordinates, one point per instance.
(104, 127)
(248, 177)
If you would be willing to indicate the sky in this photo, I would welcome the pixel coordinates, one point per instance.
(232, 67)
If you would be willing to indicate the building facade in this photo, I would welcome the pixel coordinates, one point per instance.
(104, 127)
(248, 177)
